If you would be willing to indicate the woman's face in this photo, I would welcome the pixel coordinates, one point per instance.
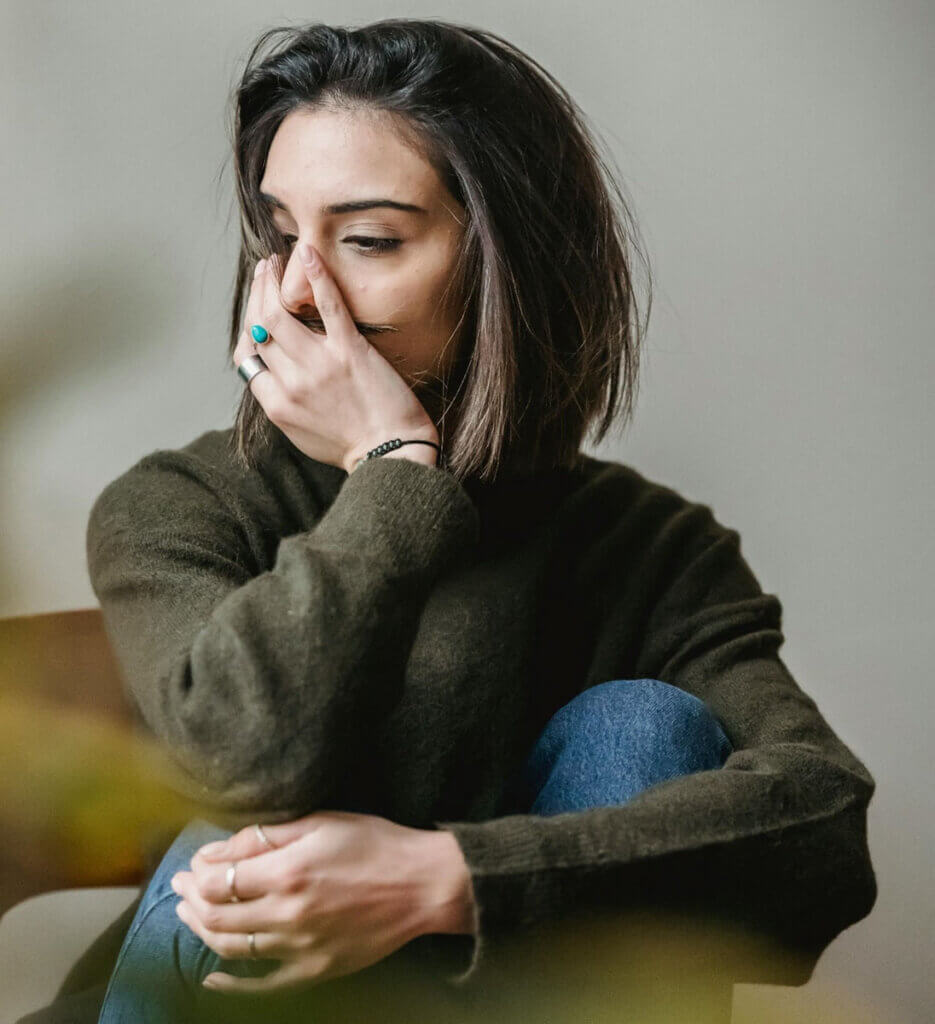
(392, 265)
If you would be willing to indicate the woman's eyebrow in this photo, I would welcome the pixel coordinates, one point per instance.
(349, 207)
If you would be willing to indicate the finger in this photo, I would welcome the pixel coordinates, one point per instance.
(339, 324)
(266, 386)
(290, 340)
(287, 334)
(292, 974)
(253, 877)
(248, 842)
(245, 342)
(236, 945)
(266, 913)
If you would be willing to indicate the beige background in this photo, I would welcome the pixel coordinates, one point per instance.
(779, 156)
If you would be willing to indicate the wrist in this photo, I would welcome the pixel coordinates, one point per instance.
(449, 896)
(425, 453)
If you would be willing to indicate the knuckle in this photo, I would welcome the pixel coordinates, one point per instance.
(272, 318)
(212, 919)
(226, 945)
(293, 914)
(200, 872)
(293, 880)
(288, 300)
(330, 306)
(275, 409)
(291, 385)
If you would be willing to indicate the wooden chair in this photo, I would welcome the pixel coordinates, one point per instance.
(66, 657)
(61, 661)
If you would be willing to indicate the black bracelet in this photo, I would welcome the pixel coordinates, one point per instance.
(389, 446)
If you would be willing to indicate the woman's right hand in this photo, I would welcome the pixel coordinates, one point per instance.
(333, 395)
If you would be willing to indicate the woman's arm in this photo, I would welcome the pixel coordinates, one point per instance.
(773, 842)
(265, 682)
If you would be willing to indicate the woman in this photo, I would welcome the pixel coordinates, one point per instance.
(446, 679)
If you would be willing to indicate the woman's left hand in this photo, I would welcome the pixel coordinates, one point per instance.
(340, 891)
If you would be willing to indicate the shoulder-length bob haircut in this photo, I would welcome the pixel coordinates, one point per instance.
(544, 284)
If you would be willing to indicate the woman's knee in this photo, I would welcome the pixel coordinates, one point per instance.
(615, 739)
(648, 714)
(161, 957)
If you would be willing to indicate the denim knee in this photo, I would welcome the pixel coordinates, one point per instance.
(161, 961)
(674, 721)
(617, 738)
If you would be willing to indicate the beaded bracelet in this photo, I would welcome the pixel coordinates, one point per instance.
(389, 446)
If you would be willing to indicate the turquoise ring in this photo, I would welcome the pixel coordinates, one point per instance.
(260, 333)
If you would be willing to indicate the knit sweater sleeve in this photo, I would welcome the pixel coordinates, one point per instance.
(264, 682)
(773, 843)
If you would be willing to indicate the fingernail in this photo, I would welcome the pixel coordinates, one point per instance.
(212, 848)
(308, 254)
(174, 883)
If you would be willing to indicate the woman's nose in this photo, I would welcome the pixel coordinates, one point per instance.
(295, 291)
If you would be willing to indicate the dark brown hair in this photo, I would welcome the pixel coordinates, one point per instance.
(552, 335)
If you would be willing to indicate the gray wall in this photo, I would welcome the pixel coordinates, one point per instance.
(779, 158)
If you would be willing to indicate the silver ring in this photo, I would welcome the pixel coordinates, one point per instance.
(250, 367)
(264, 838)
(251, 941)
(231, 875)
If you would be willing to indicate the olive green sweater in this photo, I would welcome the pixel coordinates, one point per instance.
(395, 640)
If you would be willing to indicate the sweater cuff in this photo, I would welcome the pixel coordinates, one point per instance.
(495, 911)
(400, 507)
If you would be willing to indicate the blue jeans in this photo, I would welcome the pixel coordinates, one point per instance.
(609, 743)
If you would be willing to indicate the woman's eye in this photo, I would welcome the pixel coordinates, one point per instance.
(368, 245)
(375, 244)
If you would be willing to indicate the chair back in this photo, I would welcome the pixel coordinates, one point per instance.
(51, 664)
(64, 657)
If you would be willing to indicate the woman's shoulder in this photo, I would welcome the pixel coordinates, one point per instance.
(619, 512)
(617, 487)
(639, 535)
